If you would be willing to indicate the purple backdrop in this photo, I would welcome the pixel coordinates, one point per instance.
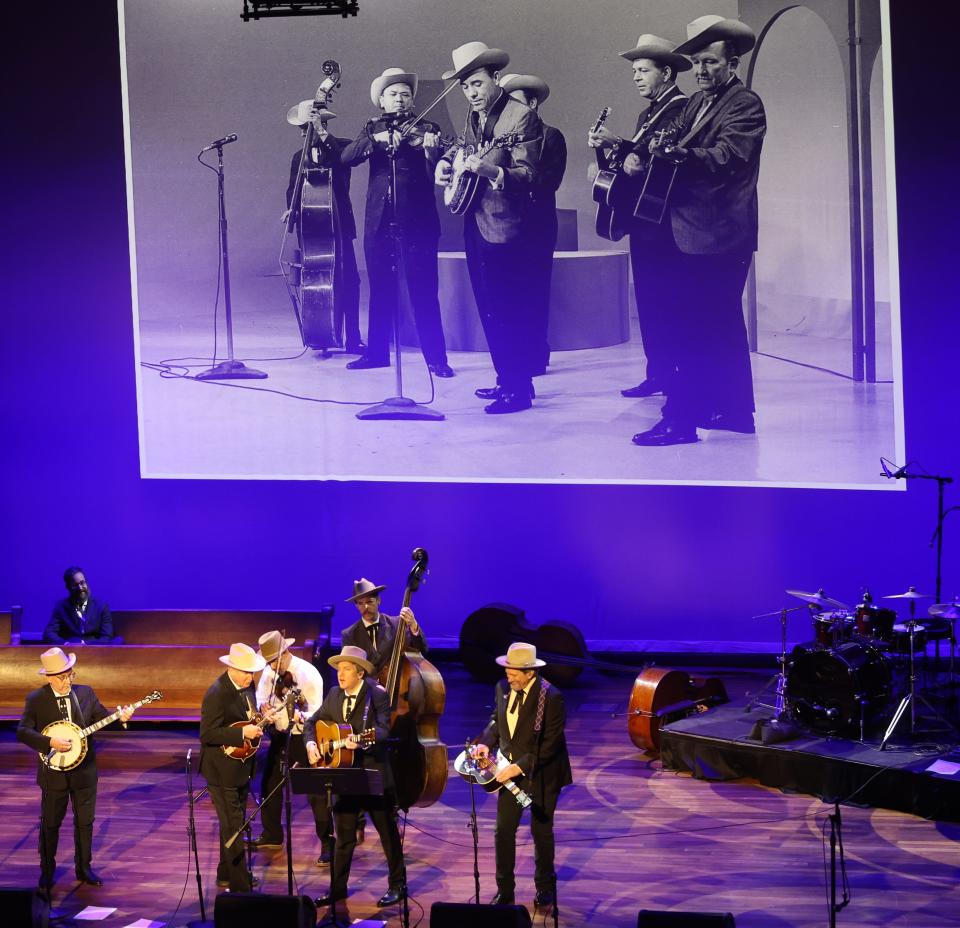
(623, 562)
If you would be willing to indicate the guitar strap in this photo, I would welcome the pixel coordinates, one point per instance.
(79, 720)
(541, 704)
(648, 123)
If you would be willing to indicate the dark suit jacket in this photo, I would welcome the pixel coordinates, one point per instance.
(64, 624)
(713, 206)
(328, 156)
(39, 711)
(370, 710)
(542, 756)
(416, 200)
(506, 215)
(357, 636)
(553, 164)
(223, 704)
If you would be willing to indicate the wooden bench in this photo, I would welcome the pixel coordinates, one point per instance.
(174, 651)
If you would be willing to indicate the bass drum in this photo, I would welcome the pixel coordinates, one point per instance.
(828, 688)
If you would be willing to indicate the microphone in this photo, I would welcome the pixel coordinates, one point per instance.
(189, 754)
(899, 474)
(219, 143)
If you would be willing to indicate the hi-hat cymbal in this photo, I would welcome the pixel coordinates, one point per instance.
(945, 610)
(818, 599)
(910, 594)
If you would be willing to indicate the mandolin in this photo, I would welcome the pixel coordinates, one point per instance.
(67, 760)
(484, 770)
(333, 750)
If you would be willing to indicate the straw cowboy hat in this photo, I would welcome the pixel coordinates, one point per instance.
(521, 656)
(657, 49)
(353, 656)
(364, 587)
(710, 28)
(392, 76)
(272, 645)
(54, 661)
(299, 115)
(535, 86)
(467, 58)
(243, 657)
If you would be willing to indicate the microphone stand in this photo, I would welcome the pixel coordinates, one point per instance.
(475, 831)
(836, 839)
(284, 771)
(192, 831)
(398, 406)
(231, 369)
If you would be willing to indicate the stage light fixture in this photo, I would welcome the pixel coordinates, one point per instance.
(265, 9)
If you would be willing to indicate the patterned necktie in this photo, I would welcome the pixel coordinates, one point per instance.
(62, 703)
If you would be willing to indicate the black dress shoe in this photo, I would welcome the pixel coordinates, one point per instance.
(543, 899)
(325, 899)
(264, 843)
(326, 856)
(647, 388)
(509, 402)
(391, 897)
(492, 393)
(364, 362)
(441, 370)
(666, 433)
(223, 884)
(743, 423)
(502, 898)
(90, 877)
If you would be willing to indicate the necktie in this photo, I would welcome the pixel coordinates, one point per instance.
(62, 703)
(347, 708)
(372, 632)
(517, 702)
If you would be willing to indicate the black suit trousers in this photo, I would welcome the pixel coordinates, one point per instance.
(506, 286)
(271, 809)
(418, 270)
(505, 841)
(53, 808)
(713, 373)
(546, 243)
(382, 812)
(346, 294)
(231, 805)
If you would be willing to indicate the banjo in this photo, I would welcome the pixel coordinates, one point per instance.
(461, 191)
(67, 760)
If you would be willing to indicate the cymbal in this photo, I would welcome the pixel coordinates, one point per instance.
(910, 594)
(818, 599)
(945, 610)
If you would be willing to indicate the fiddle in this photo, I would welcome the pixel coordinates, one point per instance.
(409, 126)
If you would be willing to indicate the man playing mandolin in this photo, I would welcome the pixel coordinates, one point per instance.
(62, 700)
(527, 726)
(361, 705)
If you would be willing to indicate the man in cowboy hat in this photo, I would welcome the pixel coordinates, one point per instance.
(653, 251)
(325, 153)
(362, 704)
(500, 228)
(713, 217)
(374, 632)
(533, 91)
(411, 223)
(79, 619)
(283, 672)
(230, 699)
(527, 726)
(58, 700)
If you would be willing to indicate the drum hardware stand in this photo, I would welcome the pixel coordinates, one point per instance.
(779, 679)
(231, 369)
(836, 841)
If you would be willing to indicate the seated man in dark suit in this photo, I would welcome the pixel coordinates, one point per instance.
(363, 705)
(79, 619)
(375, 632)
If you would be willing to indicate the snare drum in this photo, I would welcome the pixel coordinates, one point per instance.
(832, 628)
(871, 622)
(900, 638)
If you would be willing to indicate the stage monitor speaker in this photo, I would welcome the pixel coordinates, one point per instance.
(255, 910)
(651, 919)
(23, 908)
(467, 915)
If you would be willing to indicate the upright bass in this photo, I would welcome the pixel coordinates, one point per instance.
(417, 694)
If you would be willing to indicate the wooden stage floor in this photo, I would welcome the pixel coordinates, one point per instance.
(629, 836)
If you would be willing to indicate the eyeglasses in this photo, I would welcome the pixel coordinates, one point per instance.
(66, 675)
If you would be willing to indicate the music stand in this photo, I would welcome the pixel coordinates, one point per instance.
(342, 781)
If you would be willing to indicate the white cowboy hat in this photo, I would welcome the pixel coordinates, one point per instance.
(299, 115)
(54, 661)
(392, 76)
(353, 656)
(521, 656)
(657, 49)
(243, 657)
(472, 55)
(711, 28)
(363, 587)
(272, 645)
(535, 86)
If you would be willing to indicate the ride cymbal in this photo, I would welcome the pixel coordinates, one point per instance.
(910, 594)
(818, 599)
(945, 610)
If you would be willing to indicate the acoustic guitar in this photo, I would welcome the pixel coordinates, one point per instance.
(484, 770)
(610, 188)
(333, 749)
(67, 760)
(658, 179)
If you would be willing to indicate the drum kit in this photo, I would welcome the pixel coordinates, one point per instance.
(845, 680)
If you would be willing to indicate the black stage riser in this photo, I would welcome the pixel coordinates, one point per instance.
(262, 910)
(651, 919)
